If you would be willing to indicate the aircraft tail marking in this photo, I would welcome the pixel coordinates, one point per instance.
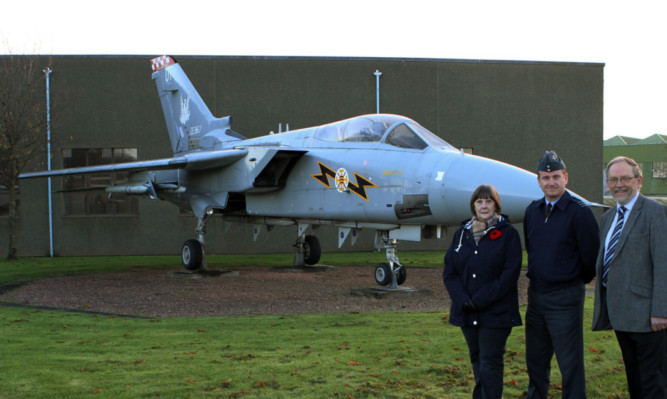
(161, 62)
(190, 123)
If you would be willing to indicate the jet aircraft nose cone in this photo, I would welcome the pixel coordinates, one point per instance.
(516, 187)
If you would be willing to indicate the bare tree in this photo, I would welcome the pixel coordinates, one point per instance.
(22, 126)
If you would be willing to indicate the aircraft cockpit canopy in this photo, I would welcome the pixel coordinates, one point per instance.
(396, 130)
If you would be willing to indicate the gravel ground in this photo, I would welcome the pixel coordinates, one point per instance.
(240, 291)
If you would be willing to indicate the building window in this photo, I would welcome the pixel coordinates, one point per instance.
(4, 201)
(660, 170)
(85, 194)
(466, 150)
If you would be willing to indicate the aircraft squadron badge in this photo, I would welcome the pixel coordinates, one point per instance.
(342, 181)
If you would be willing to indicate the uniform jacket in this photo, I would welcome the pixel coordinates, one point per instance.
(563, 247)
(486, 272)
(637, 279)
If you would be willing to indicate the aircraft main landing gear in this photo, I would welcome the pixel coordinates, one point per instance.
(193, 254)
(307, 251)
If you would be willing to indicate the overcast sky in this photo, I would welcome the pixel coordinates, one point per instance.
(628, 37)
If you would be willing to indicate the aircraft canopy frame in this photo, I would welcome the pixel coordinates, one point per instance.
(394, 130)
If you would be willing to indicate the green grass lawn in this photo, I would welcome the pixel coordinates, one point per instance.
(378, 355)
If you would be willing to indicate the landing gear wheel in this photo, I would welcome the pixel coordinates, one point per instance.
(312, 252)
(192, 255)
(402, 275)
(383, 274)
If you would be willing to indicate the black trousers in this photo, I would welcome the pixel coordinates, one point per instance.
(555, 324)
(645, 363)
(487, 348)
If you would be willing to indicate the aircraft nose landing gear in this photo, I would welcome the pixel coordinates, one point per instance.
(392, 273)
(384, 275)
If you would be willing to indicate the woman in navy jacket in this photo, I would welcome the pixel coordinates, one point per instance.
(482, 267)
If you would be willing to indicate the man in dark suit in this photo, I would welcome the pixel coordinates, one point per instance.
(631, 287)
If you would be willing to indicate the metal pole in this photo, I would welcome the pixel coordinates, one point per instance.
(377, 74)
(48, 72)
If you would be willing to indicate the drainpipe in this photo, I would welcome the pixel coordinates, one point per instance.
(48, 72)
(377, 74)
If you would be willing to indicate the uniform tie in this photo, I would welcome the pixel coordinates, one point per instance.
(611, 247)
(550, 208)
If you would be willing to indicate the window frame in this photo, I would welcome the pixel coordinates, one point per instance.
(85, 195)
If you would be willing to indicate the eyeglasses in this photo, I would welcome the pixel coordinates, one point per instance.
(624, 180)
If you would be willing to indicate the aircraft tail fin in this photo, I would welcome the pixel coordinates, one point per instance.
(190, 124)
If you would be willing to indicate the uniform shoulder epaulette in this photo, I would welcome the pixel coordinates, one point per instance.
(579, 202)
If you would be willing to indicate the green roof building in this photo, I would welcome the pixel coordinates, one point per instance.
(650, 153)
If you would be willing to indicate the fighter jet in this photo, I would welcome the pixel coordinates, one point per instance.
(381, 172)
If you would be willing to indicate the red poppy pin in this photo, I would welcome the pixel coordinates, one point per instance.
(495, 234)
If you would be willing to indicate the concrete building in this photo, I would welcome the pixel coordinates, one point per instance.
(510, 111)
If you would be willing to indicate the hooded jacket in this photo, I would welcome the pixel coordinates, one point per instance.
(486, 273)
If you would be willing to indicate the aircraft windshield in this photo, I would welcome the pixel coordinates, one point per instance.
(402, 136)
(413, 135)
(431, 138)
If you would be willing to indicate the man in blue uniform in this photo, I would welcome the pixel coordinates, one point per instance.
(562, 241)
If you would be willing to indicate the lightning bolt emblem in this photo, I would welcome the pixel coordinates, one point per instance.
(360, 187)
(342, 182)
(324, 172)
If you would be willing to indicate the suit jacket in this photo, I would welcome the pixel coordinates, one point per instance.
(637, 280)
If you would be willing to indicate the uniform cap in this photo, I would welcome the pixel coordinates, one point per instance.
(550, 162)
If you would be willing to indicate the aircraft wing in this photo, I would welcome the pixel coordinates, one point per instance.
(587, 202)
(191, 161)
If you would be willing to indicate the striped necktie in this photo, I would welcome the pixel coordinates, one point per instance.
(611, 247)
